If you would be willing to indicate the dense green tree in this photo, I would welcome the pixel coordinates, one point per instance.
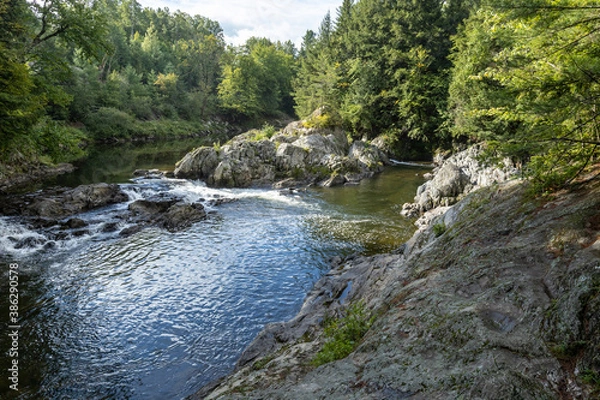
(147, 46)
(383, 67)
(18, 108)
(257, 78)
(317, 85)
(526, 78)
(37, 42)
(308, 41)
(199, 68)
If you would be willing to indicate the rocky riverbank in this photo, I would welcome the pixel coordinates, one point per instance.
(498, 297)
(456, 176)
(298, 155)
(14, 180)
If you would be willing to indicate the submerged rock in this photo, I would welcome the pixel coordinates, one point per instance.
(150, 209)
(181, 216)
(167, 213)
(496, 298)
(75, 223)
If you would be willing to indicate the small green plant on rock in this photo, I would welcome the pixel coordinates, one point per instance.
(260, 364)
(439, 229)
(344, 334)
(318, 121)
(265, 133)
(567, 350)
(591, 378)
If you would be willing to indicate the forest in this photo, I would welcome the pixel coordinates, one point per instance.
(521, 75)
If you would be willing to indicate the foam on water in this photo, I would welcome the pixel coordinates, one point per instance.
(194, 191)
(18, 240)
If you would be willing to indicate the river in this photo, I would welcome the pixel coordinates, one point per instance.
(157, 315)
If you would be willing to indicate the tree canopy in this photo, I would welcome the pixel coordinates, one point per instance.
(526, 78)
(73, 70)
(382, 67)
(522, 75)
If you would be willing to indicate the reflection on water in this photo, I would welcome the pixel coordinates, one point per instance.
(114, 164)
(369, 214)
(157, 315)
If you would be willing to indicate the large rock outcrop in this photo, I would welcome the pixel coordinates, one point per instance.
(498, 298)
(295, 155)
(456, 177)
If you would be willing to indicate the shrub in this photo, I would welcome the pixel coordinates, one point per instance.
(344, 334)
(439, 229)
(318, 121)
(265, 133)
(61, 143)
(110, 123)
(141, 107)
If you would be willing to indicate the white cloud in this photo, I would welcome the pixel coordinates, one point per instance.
(276, 19)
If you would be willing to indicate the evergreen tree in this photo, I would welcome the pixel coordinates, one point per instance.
(526, 78)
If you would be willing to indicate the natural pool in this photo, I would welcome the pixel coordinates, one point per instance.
(157, 315)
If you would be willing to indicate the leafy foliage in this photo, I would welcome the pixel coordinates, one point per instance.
(344, 334)
(382, 67)
(112, 68)
(526, 78)
(257, 78)
(522, 75)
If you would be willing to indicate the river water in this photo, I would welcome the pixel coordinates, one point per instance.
(157, 315)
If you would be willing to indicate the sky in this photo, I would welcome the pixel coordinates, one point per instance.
(275, 19)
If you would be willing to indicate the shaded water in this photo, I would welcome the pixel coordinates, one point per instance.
(157, 315)
(115, 164)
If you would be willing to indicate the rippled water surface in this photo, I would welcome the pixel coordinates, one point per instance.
(157, 315)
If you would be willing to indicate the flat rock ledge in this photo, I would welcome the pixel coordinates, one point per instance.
(498, 297)
(295, 156)
(457, 176)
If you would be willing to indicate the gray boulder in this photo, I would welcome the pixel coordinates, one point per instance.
(307, 155)
(148, 209)
(335, 180)
(197, 164)
(368, 156)
(181, 216)
(167, 213)
(290, 156)
(455, 177)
